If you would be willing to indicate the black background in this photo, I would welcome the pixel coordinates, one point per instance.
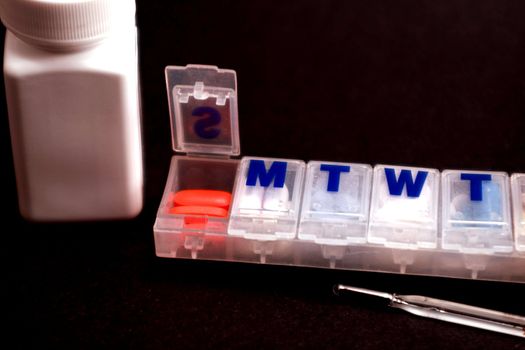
(426, 83)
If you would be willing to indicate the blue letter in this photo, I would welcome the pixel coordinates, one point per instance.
(203, 126)
(395, 186)
(334, 175)
(258, 170)
(476, 193)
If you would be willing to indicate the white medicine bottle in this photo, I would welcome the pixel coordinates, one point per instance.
(71, 78)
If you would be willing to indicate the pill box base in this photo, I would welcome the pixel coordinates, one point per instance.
(361, 257)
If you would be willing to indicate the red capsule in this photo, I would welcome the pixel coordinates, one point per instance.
(204, 198)
(200, 210)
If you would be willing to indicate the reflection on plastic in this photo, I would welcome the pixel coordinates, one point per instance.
(488, 208)
(518, 204)
(404, 208)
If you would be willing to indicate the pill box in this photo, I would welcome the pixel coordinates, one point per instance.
(343, 215)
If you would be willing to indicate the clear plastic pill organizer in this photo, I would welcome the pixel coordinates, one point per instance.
(386, 218)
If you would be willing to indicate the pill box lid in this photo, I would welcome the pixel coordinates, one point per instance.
(203, 110)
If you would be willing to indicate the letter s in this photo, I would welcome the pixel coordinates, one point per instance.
(203, 127)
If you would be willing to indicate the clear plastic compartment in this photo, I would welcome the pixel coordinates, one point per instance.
(476, 212)
(194, 211)
(518, 204)
(189, 173)
(404, 207)
(336, 201)
(193, 173)
(267, 198)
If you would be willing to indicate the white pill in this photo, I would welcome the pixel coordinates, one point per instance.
(252, 198)
(276, 199)
(403, 208)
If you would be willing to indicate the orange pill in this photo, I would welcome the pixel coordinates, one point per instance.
(206, 198)
(199, 210)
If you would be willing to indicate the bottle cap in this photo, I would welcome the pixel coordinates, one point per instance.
(63, 23)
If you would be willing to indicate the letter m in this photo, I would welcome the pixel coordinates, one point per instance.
(257, 170)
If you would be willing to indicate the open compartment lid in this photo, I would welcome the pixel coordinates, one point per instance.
(203, 110)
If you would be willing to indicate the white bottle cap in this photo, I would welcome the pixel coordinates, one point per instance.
(64, 23)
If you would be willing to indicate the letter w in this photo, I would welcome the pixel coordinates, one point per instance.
(395, 186)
